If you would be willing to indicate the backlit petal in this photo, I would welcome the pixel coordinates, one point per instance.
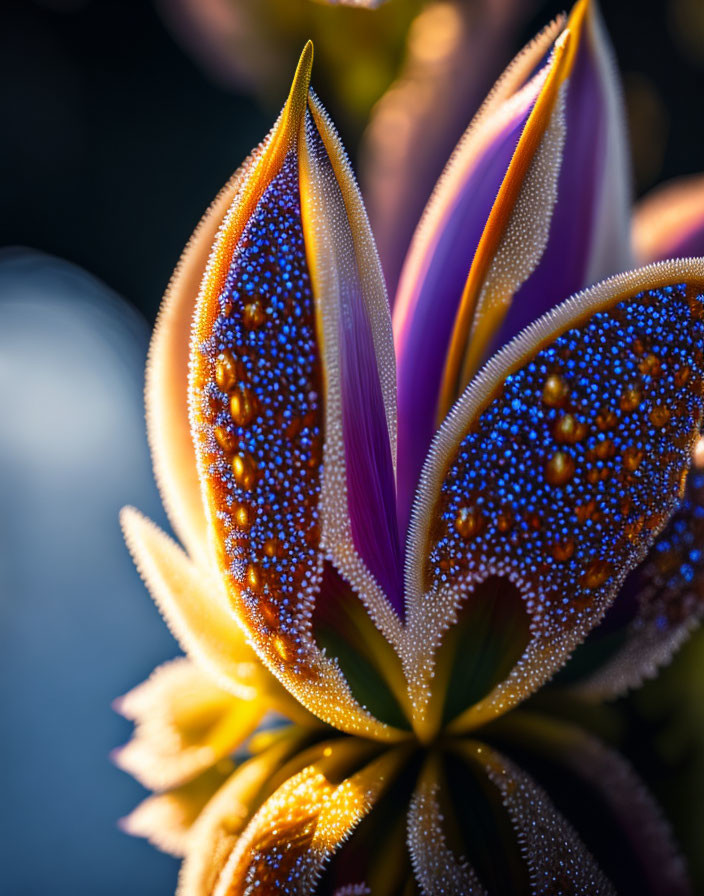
(669, 222)
(560, 221)
(454, 53)
(223, 819)
(184, 725)
(195, 608)
(590, 228)
(287, 843)
(557, 469)
(440, 258)
(293, 407)
(167, 819)
(166, 390)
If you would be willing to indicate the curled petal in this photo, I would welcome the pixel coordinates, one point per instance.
(184, 725)
(558, 861)
(660, 604)
(287, 843)
(293, 407)
(669, 222)
(556, 470)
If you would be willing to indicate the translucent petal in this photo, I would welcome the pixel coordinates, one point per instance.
(669, 221)
(167, 819)
(195, 608)
(184, 725)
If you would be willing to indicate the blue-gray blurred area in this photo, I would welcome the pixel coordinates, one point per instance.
(77, 627)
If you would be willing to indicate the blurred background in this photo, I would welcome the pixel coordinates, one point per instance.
(121, 120)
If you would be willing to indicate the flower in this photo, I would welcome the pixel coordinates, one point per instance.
(391, 542)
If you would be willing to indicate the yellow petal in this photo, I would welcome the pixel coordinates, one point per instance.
(223, 819)
(194, 607)
(167, 819)
(184, 724)
(166, 390)
(304, 823)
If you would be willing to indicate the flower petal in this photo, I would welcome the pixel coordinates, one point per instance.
(660, 604)
(558, 861)
(435, 274)
(287, 843)
(437, 869)
(166, 390)
(167, 819)
(184, 725)
(293, 407)
(194, 606)
(605, 800)
(560, 221)
(557, 469)
(454, 53)
(215, 833)
(590, 227)
(669, 222)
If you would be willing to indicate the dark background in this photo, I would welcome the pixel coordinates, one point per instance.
(113, 140)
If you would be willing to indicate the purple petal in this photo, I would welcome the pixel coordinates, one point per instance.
(370, 474)
(455, 53)
(579, 252)
(424, 320)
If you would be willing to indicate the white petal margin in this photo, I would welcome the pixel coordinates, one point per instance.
(511, 91)
(429, 616)
(338, 236)
(437, 869)
(558, 861)
(166, 390)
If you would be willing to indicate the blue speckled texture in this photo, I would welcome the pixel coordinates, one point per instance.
(267, 326)
(568, 474)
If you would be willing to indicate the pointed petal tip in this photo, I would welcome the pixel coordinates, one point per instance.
(298, 95)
